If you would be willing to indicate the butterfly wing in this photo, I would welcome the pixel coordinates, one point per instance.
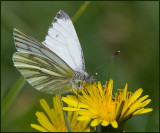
(62, 40)
(43, 74)
(41, 67)
(27, 44)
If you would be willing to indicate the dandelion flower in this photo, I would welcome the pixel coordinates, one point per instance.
(100, 106)
(54, 120)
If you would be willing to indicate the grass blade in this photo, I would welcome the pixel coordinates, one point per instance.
(12, 95)
(80, 11)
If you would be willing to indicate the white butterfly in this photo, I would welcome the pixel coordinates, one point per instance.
(56, 64)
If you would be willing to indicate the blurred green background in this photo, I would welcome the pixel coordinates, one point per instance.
(104, 28)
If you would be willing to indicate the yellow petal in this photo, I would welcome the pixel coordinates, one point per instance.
(83, 118)
(43, 120)
(86, 130)
(125, 92)
(110, 86)
(100, 88)
(119, 108)
(142, 111)
(135, 95)
(137, 105)
(84, 94)
(142, 98)
(147, 110)
(58, 108)
(105, 123)
(70, 109)
(114, 124)
(69, 116)
(37, 127)
(57, 103)
(138, 112)
(146, 102)
(95, 122)
(46, 107)
(70, 101)
(84, 112)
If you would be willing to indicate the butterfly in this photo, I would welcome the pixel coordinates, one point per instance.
(55, 65)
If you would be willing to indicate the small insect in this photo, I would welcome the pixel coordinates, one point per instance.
(55, 65)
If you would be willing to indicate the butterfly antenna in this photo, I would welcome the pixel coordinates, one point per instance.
(95, 72)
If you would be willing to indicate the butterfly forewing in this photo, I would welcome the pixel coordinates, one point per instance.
(43, 74)
(62, 40)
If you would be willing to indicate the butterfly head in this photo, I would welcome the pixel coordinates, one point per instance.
(89, 79)
(81, 79)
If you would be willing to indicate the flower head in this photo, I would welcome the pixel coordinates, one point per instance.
(55, 122)
(102, 107)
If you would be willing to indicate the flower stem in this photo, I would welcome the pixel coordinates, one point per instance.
(65, 117)
(98, 129)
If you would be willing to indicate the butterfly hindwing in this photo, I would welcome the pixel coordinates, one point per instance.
(27, 44)
(43, 74)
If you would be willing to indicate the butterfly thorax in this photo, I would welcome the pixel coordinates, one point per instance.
(81, 79)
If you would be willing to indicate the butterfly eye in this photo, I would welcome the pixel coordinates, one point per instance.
(79, 83)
